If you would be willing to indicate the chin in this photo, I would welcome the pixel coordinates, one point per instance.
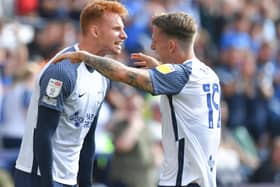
(116, 52)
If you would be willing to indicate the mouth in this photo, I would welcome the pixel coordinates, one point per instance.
(119, 44)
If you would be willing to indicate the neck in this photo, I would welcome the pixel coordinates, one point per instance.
(182, 56)
(90, 45)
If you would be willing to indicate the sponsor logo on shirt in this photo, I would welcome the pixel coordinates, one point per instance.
(79, 120)
(76, 119)
(82, 94)
(165, 68)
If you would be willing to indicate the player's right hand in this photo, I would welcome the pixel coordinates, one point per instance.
(144, 61)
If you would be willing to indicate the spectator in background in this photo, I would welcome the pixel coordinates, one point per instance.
(26, 7)
(5, 179)
(48, 39)
(228, 168)
(52, 9)
(265, 72)
(205, 48)
(237, 160)
(133, 163)
(6, 9)
(274, 103)
(16, 102)
(138, 24)
(269, 170)
(229, 72)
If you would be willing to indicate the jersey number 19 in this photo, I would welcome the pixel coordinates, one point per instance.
(213, 100)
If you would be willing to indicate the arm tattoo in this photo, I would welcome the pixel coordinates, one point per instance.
(117, 71)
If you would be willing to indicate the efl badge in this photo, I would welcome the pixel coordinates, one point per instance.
(165, 68)
(54, 88)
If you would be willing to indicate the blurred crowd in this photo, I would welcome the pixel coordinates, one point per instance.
(239, 39)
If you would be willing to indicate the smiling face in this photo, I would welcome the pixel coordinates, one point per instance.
(110, 33)
(102, 27)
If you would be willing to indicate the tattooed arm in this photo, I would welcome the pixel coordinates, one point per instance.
(112, 69)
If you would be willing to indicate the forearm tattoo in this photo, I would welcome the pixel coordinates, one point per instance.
(117, 71)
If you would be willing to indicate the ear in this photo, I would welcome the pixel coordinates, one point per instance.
(172, 45)
(94, 31)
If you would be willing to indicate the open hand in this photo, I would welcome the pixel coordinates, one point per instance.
(143, 60)
(74, 57)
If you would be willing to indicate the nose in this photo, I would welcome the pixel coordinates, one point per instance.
(123, 35)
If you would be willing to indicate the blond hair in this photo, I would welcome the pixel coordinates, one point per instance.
(178, 24)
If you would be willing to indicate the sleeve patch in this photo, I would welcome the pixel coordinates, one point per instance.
(54, 88)
(49, 101)
(165, 68)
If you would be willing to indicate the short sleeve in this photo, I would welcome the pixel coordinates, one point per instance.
(169, 79)
(56, 84)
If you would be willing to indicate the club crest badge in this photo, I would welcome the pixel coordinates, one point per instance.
(54, 88)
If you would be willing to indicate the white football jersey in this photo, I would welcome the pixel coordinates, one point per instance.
(190, 110)
(85, 89)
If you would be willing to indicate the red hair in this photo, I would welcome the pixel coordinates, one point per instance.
(95, 9)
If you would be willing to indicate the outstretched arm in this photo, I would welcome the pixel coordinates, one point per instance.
(112, 69)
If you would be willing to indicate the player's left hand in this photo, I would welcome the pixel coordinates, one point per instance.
(74, 57)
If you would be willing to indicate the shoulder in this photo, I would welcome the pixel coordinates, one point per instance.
(63, 73)
(169, 78)
(63, 69)
(201, 69)
(167, 69)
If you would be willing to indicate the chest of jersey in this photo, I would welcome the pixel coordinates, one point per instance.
(81, 106)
